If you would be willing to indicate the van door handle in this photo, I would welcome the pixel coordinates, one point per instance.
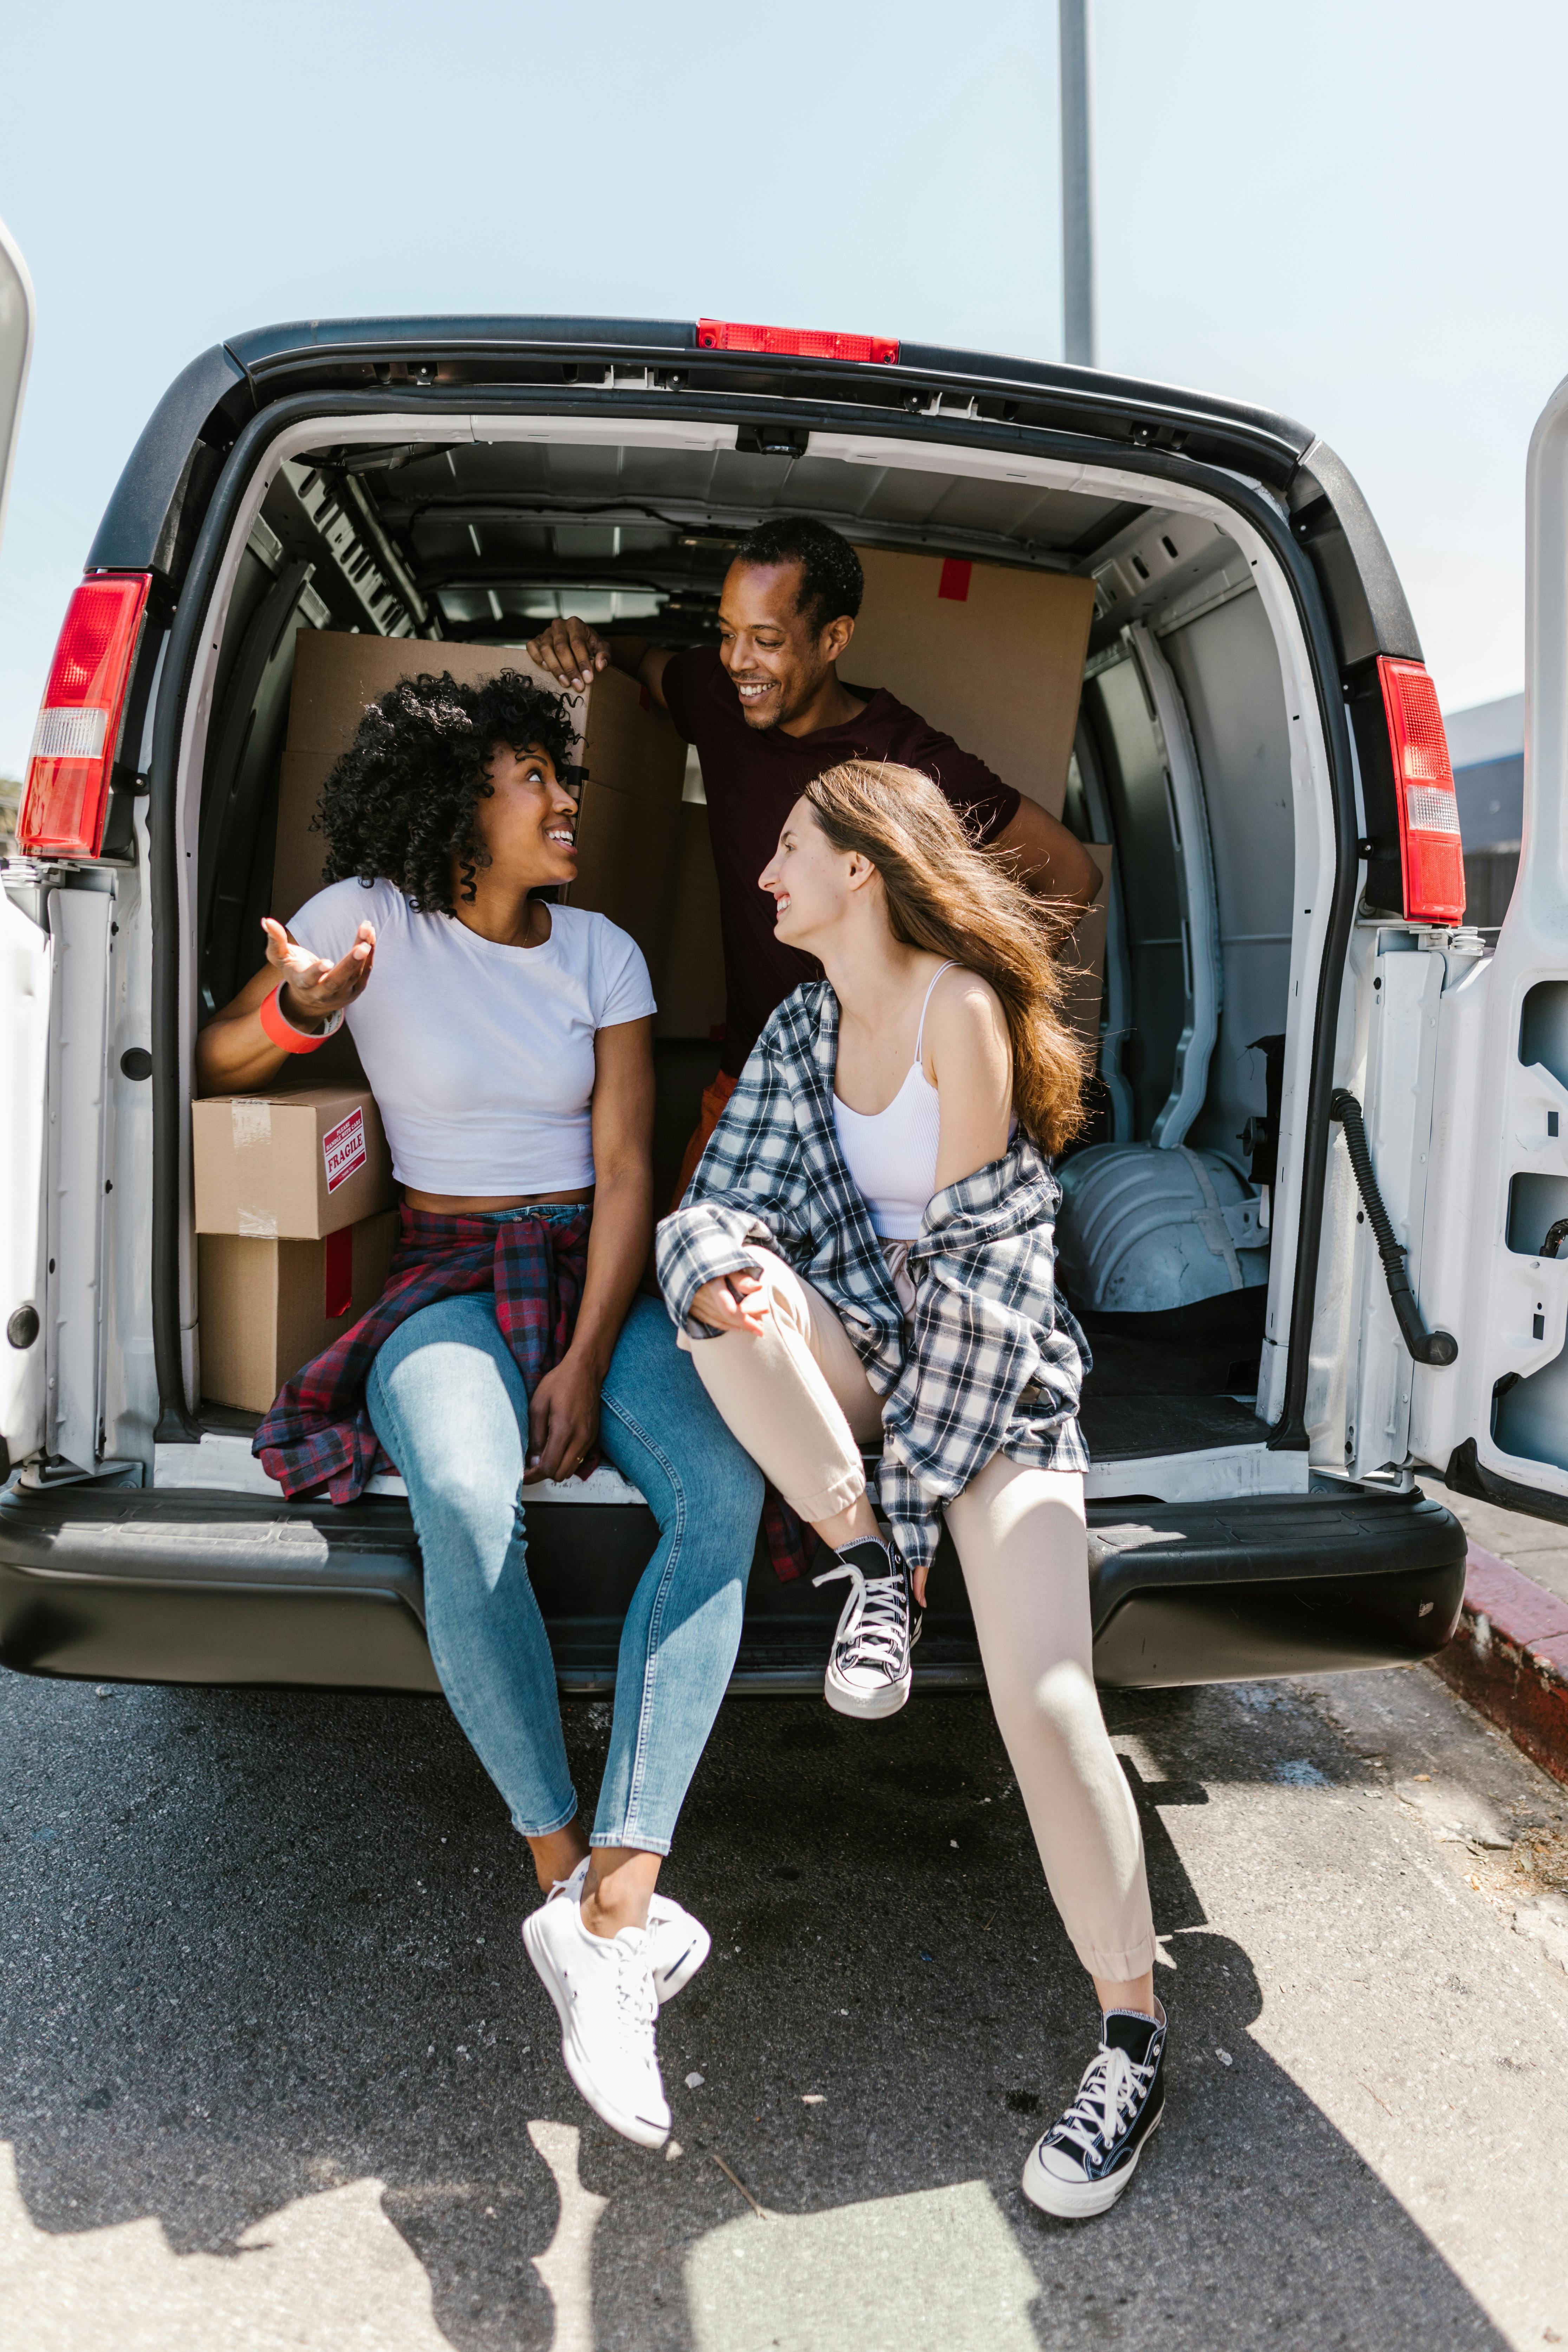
(1427, 1347)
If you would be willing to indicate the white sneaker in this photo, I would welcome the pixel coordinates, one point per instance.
(678, 1944)
(603, 1991)
(868, 1672)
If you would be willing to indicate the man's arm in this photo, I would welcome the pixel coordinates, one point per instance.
(575, 652)
(1046, 858)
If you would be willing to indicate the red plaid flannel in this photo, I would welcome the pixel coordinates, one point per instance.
(319, 1434)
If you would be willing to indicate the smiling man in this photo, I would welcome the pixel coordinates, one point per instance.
(768, 711)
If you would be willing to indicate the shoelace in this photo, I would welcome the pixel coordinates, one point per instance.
(877, 1631)
(636, 2003)
(636, 1998)
(1106, 2098)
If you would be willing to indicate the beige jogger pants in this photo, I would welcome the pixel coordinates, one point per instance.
(798, 1400)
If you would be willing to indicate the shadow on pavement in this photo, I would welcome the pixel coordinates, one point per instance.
(264, 1946)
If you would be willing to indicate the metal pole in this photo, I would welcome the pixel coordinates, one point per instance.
(1079, 324)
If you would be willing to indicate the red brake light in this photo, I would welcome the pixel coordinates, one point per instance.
(79, 724)
(1431, 852)
(793, 342)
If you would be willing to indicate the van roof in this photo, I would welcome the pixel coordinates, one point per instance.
(435, 359)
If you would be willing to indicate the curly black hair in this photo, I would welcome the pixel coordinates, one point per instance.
(399, 805)
(832, 582)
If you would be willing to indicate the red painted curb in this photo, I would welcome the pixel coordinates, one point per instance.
(1509, 1659)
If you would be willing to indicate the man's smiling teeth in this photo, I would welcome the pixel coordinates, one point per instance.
(751, 693)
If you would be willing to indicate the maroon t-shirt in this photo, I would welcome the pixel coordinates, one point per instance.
(753, 777)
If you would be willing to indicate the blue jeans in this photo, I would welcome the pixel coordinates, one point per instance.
(449, 1404)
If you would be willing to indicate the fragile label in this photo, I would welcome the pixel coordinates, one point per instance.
(343, 1150)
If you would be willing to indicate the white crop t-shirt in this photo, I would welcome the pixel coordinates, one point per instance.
(480, 1057)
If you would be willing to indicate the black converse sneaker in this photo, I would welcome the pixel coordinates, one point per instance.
(868, 1672)
(1083, 2163)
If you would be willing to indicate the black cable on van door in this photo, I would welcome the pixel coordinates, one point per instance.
(1427, 1347)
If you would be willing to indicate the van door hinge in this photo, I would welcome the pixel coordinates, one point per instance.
(1243, 1223)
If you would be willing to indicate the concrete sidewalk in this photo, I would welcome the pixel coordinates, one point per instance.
(1537, 1548)
(1510, 1655)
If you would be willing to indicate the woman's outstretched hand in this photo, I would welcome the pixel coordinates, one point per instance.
(562, 1419)
(314, 991)
(731, 1302)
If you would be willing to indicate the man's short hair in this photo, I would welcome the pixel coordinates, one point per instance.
(831, 581)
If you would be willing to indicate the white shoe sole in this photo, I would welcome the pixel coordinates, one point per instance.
(637, 2129)
(844, 1699)
(1069, 2203)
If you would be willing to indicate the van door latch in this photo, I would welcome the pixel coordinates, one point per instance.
(1427, 1347)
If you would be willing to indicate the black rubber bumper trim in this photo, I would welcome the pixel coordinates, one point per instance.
(1279, 1584)
(184, 1585)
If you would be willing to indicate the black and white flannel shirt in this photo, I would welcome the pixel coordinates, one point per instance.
(990, 1362)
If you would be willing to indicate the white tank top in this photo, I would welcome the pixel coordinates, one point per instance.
(892, 1153)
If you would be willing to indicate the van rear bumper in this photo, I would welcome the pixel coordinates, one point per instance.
(184, 1585)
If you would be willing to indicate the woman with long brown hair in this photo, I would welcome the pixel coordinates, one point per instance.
(866, 1258)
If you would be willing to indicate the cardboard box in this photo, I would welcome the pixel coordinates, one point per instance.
(992, 655)
(625, 744)
(1084, 955)
(267, 1307)
(691, 996)
(628, 847)
(289, 1165)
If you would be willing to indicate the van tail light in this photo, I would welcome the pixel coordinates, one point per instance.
(78, 725)
(1431, 852)
(795, 342)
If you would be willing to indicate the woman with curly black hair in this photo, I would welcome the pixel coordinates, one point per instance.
(508, 1045)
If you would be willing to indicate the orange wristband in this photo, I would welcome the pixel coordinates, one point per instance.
(281, 1030)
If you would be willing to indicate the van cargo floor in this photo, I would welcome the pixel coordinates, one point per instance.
(1116, 1426)
(1127, 1428)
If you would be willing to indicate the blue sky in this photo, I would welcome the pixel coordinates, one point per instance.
(1349, 213)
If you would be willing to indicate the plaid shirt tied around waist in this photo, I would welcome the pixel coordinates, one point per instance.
(319, 1433)
(990, 1362)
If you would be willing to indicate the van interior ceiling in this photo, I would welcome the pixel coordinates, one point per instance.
(1172, 748)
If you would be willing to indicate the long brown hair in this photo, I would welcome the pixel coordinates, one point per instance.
(953, 899)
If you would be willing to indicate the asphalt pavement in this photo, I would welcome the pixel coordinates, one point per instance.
(276, 2073)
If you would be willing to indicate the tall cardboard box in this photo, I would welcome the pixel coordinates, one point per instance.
(990, 653)
(269, 1307)
(631, 759)
(691, 996)
(292, 1165)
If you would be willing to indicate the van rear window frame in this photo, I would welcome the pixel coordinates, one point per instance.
(176, 1424)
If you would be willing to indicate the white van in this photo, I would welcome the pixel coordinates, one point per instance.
(1304, 1054)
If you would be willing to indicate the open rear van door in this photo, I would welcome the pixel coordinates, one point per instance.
(1495, 1259)
(24, 1008)
(17, 314)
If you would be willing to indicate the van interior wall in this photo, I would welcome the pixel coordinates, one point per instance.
(1228, 672)
(304, 566)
